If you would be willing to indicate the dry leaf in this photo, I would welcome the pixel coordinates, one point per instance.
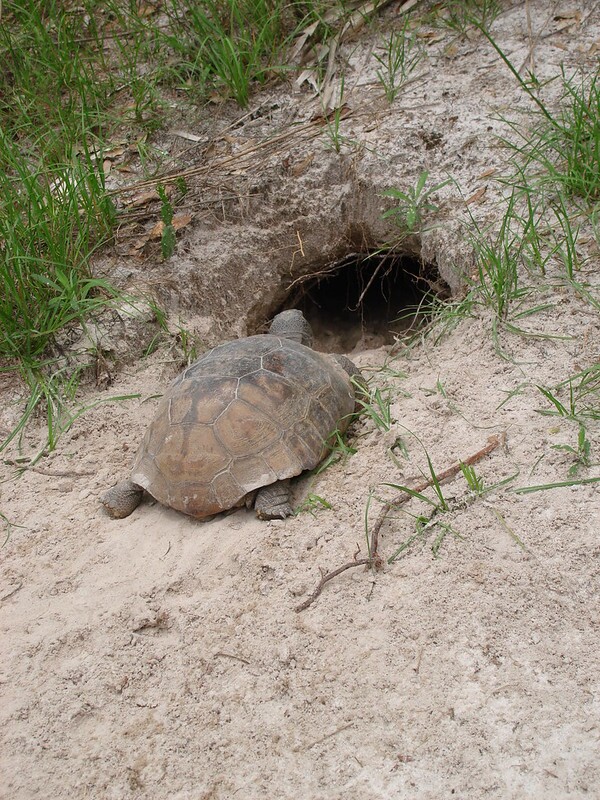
(298, 169)
(431, 36)
(568, 16)
(191, 137)
(487, 173)
(146, 9)
(156, 231)
(114, 153)
(143, 199)
(139, 244)
(181, 220)
(477, 196)
(344, 111)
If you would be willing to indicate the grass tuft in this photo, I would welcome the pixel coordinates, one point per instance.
(401, 54)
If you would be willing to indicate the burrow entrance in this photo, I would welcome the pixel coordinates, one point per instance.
(365, 300)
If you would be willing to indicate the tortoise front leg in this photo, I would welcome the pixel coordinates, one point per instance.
(273, 501)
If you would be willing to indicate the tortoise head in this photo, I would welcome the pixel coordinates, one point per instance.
(292, 325)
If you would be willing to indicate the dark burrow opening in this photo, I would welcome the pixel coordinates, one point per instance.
(366, 300)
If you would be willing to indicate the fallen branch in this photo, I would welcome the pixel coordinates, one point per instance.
(330, 576)
(447, 474)
(374, 560)
(51, 473)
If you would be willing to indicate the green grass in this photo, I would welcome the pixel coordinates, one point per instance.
(497, 262)
(376, 406)
(51, 221)
(400, 54)
(412, 204)
(563, 149)
(583, 396)
(581, 453)
(311, 504)
(54, 210)
(544, 487)
(233, 44)
(461, 15)
(333, 120)
(73, 78)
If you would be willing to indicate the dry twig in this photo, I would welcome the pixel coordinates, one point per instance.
(50, 473)
(374, 560)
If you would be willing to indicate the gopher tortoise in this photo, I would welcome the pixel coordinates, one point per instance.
(238, 423)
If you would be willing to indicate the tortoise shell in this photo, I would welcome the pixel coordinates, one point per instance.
(244, 415)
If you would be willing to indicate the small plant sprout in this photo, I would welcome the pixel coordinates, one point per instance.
(412, 204)
(424, 524)
(401, 54)
(460, 15)
(497, 262)
(399, 447)
(377, 407)
(441, 504)
(311, 504)
(581, 453)
(444, 530)
(582, 404)
(338, 450)
(583, 396)
(474, 481)
(333, 119)
(559, 408)
(566, 240)
(188, 343)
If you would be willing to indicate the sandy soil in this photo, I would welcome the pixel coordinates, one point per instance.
(162, 657)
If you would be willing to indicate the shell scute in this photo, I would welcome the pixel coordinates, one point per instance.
(253, 471)
(227, 490)
(266, 392)
(244, 430)
(201, 404)
(233, 359)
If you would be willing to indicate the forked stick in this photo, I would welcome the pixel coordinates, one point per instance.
(375, 560)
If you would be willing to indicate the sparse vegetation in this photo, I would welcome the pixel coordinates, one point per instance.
(311, 504)
(401, 54)
(412, 204)
(462, 15)
(333, 120)
(377, 407)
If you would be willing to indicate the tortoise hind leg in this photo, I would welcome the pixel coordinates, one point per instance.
(273, 501)
(122, 499)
